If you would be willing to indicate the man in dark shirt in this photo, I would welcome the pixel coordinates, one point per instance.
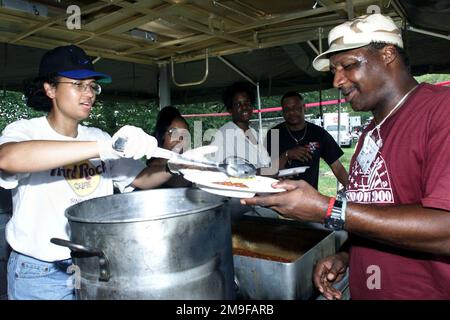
(303, 143)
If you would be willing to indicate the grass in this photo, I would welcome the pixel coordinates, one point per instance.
(327, 180)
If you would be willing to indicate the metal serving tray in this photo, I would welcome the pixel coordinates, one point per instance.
(274, 258)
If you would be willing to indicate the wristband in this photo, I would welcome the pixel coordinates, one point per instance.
(330, 207)
(336, 220)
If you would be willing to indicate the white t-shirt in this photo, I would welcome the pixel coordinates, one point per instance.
(40, 198)
(233, 141)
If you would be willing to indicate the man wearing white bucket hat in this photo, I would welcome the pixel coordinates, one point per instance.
(359, 33)
(398, 210)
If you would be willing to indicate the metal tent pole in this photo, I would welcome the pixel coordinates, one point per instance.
(164, 87)
(237, 70)
(339, 131)
(260, 137)
(339, 119)
(256, 84)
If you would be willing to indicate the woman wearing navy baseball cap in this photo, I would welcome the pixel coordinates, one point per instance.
(53, 162)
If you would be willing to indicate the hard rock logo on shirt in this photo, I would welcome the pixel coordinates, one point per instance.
(371, 187)
(83, 177)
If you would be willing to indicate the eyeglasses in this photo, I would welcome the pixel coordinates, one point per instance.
(82, 87)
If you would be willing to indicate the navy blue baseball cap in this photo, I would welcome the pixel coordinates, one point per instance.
(70, 62)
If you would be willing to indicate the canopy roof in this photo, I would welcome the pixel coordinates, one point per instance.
(273, 42)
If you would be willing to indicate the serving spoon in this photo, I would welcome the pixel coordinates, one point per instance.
(232, 166)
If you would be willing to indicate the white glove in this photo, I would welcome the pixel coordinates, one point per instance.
(133, 142)
(106, 151)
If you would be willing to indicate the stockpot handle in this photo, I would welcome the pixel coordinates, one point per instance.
(102, 258)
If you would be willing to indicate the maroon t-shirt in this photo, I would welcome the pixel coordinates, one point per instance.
(412, 167)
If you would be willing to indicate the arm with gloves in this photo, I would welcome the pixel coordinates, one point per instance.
(45, 155)
(133, 142)
(48, 154)
(130, 141)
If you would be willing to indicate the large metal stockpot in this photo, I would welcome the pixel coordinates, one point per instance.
(155, 244)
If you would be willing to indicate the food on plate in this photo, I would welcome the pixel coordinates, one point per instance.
(232, 184)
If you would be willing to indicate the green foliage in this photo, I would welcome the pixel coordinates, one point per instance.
(111, 116)
(13, 107)
(433, 78)
(206, 107)
(331, 94)
(327, 180)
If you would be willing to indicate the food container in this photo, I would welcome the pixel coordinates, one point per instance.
(153, 244)
(275, 258)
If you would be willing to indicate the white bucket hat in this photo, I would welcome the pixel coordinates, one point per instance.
(358, 33)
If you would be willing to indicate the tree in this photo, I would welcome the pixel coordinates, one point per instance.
(110, 116)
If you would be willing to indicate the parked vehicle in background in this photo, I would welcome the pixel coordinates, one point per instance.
(354, 121)
(355, 127)
(317, 121)
(330, 123)
(356, 132)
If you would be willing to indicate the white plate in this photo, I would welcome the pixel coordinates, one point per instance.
(292, 171)
(206, 180)
(227, 193)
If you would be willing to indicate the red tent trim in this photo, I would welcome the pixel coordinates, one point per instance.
(275, 109)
